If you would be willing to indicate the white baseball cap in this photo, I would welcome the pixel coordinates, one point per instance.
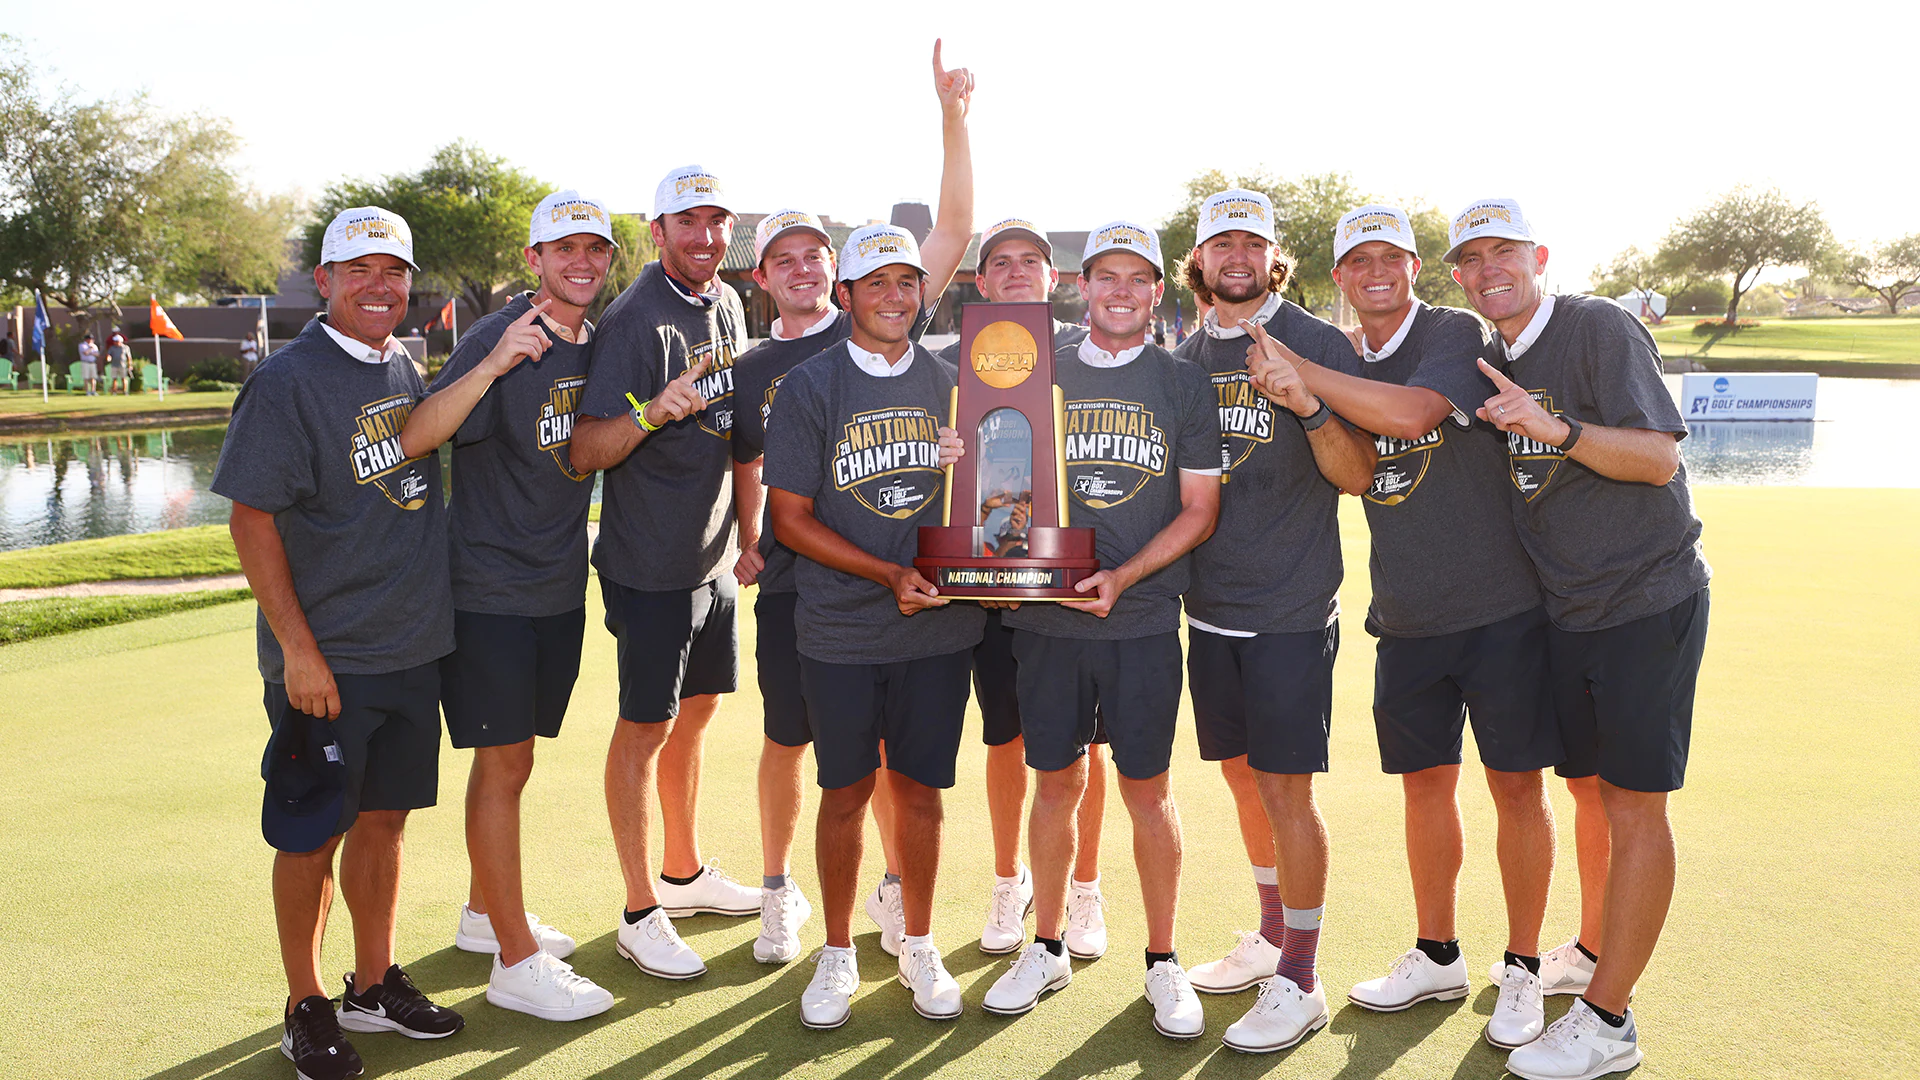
(1013, 229)
(780, 223)
(685, 188)
(367, 230)
(1234, 208)
(1365, 224)
(1124, 235)
(1487, 217)
(874, 246)
(565, 213)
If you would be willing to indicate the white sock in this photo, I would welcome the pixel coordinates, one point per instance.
(1093, 886)
(910, 942)
(1266, 875)
(1015, 879)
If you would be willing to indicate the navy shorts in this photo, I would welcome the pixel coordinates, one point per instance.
(776, 657)
(994, 683)
(1424, 689)
(672, 645)
(509, 677)
(1625, 696)
(389, 734)
(916, 707)
(1268, 697)
(1073, 690)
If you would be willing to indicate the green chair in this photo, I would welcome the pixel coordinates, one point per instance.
(76, 382)
(149, 375)
(36, 374)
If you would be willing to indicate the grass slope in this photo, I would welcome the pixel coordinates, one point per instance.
(60, 404)
(190, 552)
(134, 865)
(1855, 339)
(25, 620)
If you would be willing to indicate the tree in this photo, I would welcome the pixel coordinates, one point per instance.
(99, 199)
(1435, 285)
(1745, 233)
(468, 211)
(1890, 271)
(1305, 211)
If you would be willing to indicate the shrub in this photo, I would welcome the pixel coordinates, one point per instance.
(197, 385)
(224, 369)
(1720, 328)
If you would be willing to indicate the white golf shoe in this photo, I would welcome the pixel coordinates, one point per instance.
(475, 935)
(883, 907)
(1006, 928)
(1415, 978)
(782, 912)
(1564, 969)
(655, 947)
(1521, 1013)
(1034, 972)
(545, 986)
(828, 998)
(1281, 1016)
(936, 995)
(711, 892)
(1176, 1008)
(1251, 962)
(1578, 1046)
(1086, 937)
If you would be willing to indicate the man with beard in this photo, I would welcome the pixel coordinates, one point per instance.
(1456, 608)
(1016, 265)
(1603, 509)
(342, 540)
(657, 416)
(1143, 468)
(1264, 631)
(519, 559)
(795, 265)
(853, 459)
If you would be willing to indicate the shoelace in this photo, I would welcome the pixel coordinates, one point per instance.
(896, 907)
(926, 961)
(1027, 963)
(1403, 967)
(1569, 1028)
(660, 928)
(1080, 915)
(1272, 996)
(835, 971)
(1249, 944)
(1007, 908)
(561, 974)
(1172, 980)
(1513, 988)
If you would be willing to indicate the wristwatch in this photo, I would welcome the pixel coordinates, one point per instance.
(1319, 416)
(1574, 427)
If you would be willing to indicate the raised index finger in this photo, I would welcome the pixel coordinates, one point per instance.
(534, 312)
(939, 72)
(694, 372)
(1500, 381)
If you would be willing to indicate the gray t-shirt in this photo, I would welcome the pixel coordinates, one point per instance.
(315, 441)
(517, 519)
(866, 450)
(666, 513)
(1064, 334)
(1130, 430)
(1272, 566)
(1445, 557)
(1608, 551)
(757, 377)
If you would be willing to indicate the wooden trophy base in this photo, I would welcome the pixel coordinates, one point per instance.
(1056, 560)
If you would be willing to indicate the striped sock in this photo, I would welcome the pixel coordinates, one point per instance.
(1273, 923)
(1302, 946)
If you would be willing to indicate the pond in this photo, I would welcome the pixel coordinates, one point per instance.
(72, 487)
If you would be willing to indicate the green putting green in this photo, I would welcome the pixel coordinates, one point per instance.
(137, 912)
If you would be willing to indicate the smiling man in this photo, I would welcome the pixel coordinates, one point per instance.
(1016, 265)
(1265, 631)
(795, 264)
(657, 417)
(343, 541)
(1456, 607)
(853, 463)
(1143, 471)
(1602, 507)
(519, 559)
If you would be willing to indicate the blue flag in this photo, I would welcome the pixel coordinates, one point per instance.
(40, 324)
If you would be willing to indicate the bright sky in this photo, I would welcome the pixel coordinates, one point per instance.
(1606, 124)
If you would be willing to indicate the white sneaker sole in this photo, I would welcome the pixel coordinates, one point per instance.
(954, 1015)
(1018, 942)
(1449, 993)
(1183, 1036)
(1497, 1044)
(622, 950)
(774, 956)
(1021, 1010)
(1094, 954)
(1605, 1067)
(365, 1022)
(545, 1012)
(1254, 981)
(1277, 1047)
(705, 909)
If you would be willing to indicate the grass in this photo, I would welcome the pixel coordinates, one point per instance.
(1859, 340)
(25, 620)
(191, 552)
(61, 404)
(129, 778)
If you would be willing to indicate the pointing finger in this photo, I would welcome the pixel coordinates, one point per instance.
(688, 376)
(939, 72)
(534, 312)
(1500, 381)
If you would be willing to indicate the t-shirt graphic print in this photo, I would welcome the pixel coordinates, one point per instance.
(376, 455)
(889, 459)
(1113, 449)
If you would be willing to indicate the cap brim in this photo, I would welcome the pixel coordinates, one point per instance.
(1045, 246)
(680, 207)
(775, 238)
(1453, 253)
(577, 232)
(882, 265)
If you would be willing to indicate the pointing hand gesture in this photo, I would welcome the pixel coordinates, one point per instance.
(955, 87)
(1513, 409)
(1276, 373)
(523, 339)
(679, 400)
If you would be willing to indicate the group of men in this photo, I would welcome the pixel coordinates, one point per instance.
(1535, 567)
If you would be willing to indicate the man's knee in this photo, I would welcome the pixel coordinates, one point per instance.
(1152, 794)
(641, 738)
(913, 799)
(844, 805)
(1288, 793)
(1061, 787)
(504, 768)
(372, 824)
(1628, 810)
(1427, 785)
(1517, 790)
(781, 754)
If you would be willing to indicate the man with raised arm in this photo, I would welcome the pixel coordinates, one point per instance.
(1265, 630)
(343, 541)
(518, 528)
(1016, 265)
(853, 462)
(1143, 471)
(1601, 503)
(657, 416)
(794, 262)
(1456, 608)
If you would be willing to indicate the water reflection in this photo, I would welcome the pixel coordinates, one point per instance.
(63, 487)
(1749, 452)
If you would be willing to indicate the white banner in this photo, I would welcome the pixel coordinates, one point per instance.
(1705, 396)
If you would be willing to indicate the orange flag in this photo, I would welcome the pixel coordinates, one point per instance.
(445, 318)
(161, 324)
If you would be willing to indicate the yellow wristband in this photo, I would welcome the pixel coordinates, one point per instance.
(640, 414)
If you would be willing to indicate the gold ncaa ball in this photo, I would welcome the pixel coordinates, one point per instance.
(1004, 354)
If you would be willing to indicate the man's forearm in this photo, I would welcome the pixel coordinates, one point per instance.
(1637, 455)
(1399, 412)
(748, 498)
(1344, 456)
(1188, 530)
(602, 442)
(263, 558)
(953, 226)
(437, 417)
(795, 526)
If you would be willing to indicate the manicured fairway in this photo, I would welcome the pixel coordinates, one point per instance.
(1862, 344)
(136, 916)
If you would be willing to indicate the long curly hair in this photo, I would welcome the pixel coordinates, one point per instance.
(1277, 274)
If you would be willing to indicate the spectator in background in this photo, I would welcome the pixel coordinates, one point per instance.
(8, 354)
(90, 364)
(118, 358)
(249, 356)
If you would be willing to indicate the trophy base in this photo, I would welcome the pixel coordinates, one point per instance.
(1057, 559)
